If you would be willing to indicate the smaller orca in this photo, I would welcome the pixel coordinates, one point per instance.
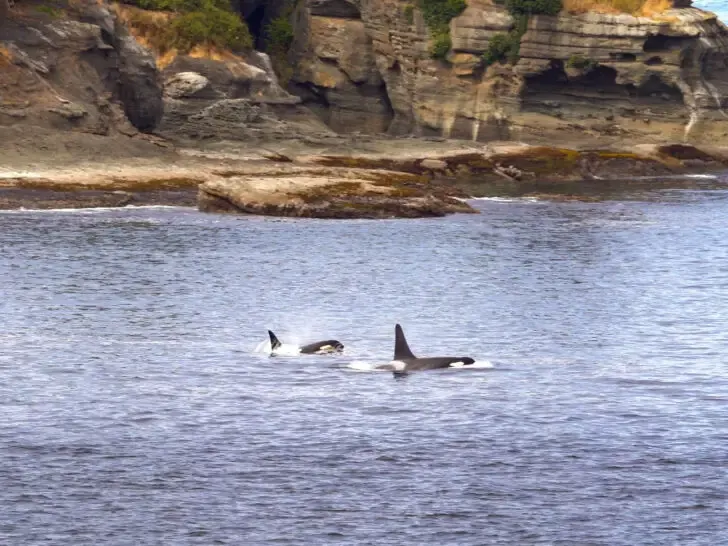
(404, 361)
(327, 346)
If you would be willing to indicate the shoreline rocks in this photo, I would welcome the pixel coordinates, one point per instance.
(424, 181)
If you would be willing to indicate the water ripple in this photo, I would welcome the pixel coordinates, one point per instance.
(133, 409)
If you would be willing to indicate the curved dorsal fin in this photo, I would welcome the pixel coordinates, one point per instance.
(401, 349)
(274, 343)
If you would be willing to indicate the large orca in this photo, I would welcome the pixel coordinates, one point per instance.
(404, 361)
(316, 348)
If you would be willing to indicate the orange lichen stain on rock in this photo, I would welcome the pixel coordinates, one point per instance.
(5, 56)
(148, 27)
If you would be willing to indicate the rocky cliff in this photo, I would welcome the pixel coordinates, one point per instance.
(76, 68)
(366, 65)
(89, 67)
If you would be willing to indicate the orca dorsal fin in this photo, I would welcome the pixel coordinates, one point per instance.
(401, 349)
(274, 343)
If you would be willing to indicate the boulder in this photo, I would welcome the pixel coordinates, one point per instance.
(188, 85)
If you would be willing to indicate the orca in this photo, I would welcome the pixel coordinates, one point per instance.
(405, 361)
(327, 346)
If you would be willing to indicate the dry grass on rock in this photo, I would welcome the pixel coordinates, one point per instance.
(645, 8)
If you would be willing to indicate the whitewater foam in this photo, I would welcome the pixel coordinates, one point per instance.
(508, 199)
(285, 349)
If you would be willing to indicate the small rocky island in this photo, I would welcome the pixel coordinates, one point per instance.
(348, 109)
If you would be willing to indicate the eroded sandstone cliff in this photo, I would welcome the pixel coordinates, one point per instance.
(366, 65)
(78, 69)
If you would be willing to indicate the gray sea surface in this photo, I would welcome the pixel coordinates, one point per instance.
(134, 409)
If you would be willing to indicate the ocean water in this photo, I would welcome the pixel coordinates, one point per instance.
(719, 7)
(134, 408)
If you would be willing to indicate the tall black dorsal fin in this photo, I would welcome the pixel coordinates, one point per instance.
(274, 343)
(401, 349)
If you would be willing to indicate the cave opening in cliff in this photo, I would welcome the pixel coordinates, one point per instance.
(603, 77)
(553, 76)
(655, 87)
(660, 42)
(256, 24)
(621, 56)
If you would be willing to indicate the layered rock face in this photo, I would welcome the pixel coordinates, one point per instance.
(233, 98)
(671, 71)
(78, 69)
(335, 69)
(365, 65)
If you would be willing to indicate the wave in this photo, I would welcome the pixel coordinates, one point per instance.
(284, 350)
(696, 176)
(507, 199)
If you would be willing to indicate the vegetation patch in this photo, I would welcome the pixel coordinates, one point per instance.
(409, 13)
(620, 155)
(437, 15)
(405, 165)
(182, 25)
(279, 37)
(635, 7)
(473, 161)
(534, 7)
(51, 11)
(115, 184)
(541, 160)
(504, 48)
(581, 63)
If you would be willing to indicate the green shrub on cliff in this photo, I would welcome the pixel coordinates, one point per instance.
(409, 13)
(279, 37)
(213, 26)
(51, 11)
(534, 7)
(506, 47)
(499, 47)
(199, 22)
(179, 6)
(438, 14)
(581, 63)
(441, 45)
(279, 34)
